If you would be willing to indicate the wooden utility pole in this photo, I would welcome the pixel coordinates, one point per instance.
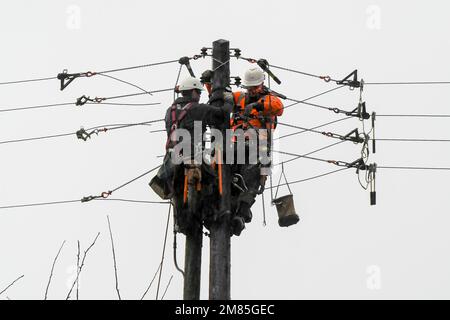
(193, 264)
(220, 244)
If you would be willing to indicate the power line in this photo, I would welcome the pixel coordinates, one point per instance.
(316, 127)
(27, 80)
(312, 97)
(100, 101)
(408, 83)
(138, 94)
(93, 73)
(325, 78)
(297, 156)
(310, 178)
(139, 66)
(79, 200)
(134, 179)
(413, 168)
(105, 128)
(123, 81)
(415, 115)
(410, 140)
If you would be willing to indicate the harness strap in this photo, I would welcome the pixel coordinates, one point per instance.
(176, 120)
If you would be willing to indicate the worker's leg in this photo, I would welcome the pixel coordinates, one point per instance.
(251, 176)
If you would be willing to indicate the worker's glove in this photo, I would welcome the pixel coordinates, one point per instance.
(255, 105)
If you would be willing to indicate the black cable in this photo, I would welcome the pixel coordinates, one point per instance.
(126, 104)
(316, 127)
(39, 204)
(102, 72)
(79, 200)
(415, 115)
(310, 178)
(123, 81)
(38, 138)
(304, 73)
(27, 80)
(107, 126)
(38, 106)
(413, 168)
(314, 96)
(140, 66)
(133, 201)
(137, 94)
(301, 156)
(411, 140)
(309, 153)
(407, 83)
(134, 179)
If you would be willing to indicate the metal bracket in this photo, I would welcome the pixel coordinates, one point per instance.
(264, 64)
(360, 112)
(373, 193)
(83, 100)
(67, 78)
(185, 61)
(355, 138)
(352, 83)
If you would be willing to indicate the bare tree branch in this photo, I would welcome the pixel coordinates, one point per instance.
(78, 266)
(12, 283)
(53, 267)
(164, 294)
(151, 282)
(81, 266)
(114, 258)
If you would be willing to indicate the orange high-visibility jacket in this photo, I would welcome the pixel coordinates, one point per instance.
(273, 107)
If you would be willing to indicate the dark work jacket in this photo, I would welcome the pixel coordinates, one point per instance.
(208, 115)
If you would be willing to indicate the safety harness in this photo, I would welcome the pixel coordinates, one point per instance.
(176, 120)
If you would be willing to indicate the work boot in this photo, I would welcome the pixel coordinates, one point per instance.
(237, 225)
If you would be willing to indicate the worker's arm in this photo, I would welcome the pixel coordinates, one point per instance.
(272, 105)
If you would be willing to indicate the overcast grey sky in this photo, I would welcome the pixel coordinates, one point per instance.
(341, 248)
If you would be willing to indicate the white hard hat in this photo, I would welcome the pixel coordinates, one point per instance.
(253, 77)
(190, 83)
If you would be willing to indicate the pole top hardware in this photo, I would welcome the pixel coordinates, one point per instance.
(185, 61)
(66, 78)
(84, 99)
(352, 83)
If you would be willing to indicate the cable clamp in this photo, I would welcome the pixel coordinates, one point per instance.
(185, 61)
(352, 83)
(88, 198)
(67, 78)
(105, 194)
